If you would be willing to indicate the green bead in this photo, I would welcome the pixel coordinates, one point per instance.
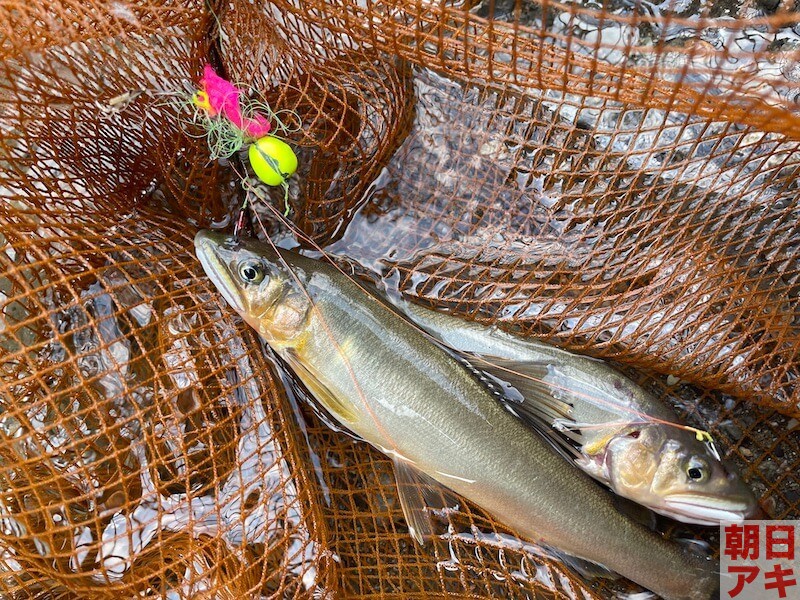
(272, 159)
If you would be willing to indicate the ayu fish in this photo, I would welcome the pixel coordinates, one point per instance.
(613, 429)
(384, 380)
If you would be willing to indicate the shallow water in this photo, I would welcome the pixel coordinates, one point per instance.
(152, 419)
(724, 57)
(495, 206)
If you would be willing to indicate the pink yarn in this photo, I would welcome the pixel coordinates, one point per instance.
(224, 97)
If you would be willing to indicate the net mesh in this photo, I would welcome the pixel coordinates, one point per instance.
(618, 178)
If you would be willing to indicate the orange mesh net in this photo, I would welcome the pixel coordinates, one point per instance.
(620, 179)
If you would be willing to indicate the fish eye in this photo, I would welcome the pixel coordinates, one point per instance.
(251, 271)
(697, 470)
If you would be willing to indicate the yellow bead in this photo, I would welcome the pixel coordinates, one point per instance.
(200, 100)
(272, 159)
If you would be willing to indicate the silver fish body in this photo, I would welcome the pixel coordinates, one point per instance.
(384, 380)
(628, 439)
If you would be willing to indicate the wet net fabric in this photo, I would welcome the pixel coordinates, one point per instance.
(618, 179)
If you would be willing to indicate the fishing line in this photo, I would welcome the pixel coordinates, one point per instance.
(237, 227)
(700, 435)
(240, 218)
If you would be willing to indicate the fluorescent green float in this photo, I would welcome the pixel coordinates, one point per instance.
(272, 159)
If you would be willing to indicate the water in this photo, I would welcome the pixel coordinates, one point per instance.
(496, 204)
(151, 419)
(705, 45)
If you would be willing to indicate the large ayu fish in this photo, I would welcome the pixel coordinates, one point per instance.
(384, 380)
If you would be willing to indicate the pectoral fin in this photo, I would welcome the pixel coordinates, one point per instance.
(341, 409)
(418, 491)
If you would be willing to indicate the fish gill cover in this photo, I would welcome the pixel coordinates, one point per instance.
(620, 179)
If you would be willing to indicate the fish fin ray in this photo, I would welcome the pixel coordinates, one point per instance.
(528, 378)
(537, 407)
(418, 491)
(317, 387)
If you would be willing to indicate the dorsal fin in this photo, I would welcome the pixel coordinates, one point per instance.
(524, 390)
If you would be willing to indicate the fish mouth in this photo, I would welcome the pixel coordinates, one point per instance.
(705, 510)
(216, 269)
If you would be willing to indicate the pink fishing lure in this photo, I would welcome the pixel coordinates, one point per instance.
(218, 96)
